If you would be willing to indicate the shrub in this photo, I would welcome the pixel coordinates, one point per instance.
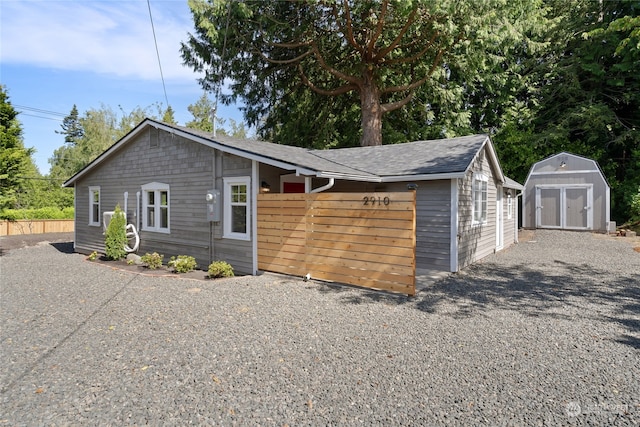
(635, 204)
(152, 261)
(41, 213)
(220, 269)
(183, 263)
(116, 236)
(93, 256)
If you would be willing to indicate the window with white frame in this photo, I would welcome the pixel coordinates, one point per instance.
(480, 182)
(509, 206)
(237, 202)
(94, 206)
(155, 207)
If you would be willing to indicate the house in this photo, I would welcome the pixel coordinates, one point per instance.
(188, 192)
(566, 191)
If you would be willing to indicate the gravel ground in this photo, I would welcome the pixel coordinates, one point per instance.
(544, 333)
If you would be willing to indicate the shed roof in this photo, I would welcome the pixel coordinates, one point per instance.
(419, 160)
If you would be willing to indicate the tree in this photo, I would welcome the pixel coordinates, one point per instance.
(15, 159)
(101, 128)
(201, 111)
(379, 52)
(71, 127)
(590, 92)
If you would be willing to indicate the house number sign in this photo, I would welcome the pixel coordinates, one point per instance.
(372, 201)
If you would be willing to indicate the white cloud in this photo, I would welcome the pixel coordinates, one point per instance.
(111, 37)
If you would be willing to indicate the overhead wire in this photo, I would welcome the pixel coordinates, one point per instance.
(155, 40)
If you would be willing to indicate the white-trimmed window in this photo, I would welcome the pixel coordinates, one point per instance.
(155, 207)
(237, 204)
(480, 182)
(509, 206)
(94, 206)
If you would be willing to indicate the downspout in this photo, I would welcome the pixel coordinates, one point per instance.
(325, 187)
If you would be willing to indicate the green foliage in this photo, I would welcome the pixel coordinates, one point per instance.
(41, 213)
(15, 160)
(93, 256)
(152, 261)
(182, 263)
(116, 236)
(635, 205)
(300, 67)
(220, 269)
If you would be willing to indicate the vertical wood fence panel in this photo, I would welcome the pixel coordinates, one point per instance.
(360, 239)
(36, 226)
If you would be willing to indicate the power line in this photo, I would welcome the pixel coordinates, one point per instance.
(40, 117)
(155, 40)
(39, 110)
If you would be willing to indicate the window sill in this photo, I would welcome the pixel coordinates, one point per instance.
(156, 230)
(244, 237)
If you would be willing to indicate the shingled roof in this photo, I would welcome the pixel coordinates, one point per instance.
(419, 160)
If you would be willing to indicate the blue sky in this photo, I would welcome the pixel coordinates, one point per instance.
(57, 53)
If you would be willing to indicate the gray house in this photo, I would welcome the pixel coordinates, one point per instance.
(187, 192)
(566, 191)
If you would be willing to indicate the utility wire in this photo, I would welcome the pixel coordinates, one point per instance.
(39, 110)
(155, 40)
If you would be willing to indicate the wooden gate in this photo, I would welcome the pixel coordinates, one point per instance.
(360, 239)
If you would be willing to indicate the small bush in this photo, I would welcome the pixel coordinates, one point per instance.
(183, 263)
(93, 256)
(152, 261)
(116, 236)
(220, 269)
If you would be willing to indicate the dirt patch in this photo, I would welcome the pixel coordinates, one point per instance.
(159, 272)
(526, 235)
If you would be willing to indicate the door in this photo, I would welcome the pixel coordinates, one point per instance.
(577, 208)
(548, 208)
(566, 207)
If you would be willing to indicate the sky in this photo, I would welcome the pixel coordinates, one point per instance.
(93, 53)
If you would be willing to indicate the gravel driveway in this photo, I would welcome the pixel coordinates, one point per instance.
(544, 333)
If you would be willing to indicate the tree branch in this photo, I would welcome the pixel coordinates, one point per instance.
(285, 61)
(352, 41)
(416, 56)
(333, 92)
(339, 74)
(399, 37)
(417, 83)
(385, 108)
(379, 27)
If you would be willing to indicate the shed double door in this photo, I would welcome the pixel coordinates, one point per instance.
(564, 207)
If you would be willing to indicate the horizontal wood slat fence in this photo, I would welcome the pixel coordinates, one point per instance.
(36, 226)
(360, 239)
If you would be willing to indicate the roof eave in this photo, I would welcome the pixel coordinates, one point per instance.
(202, 140)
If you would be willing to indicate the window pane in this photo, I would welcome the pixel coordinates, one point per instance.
(151, 212)
(151, 197)
(164, 198)
(96, 197)
(96, 213)
(164, 218)
(238, 219)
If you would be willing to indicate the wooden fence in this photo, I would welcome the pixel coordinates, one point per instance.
(36, 226)
(360, 239)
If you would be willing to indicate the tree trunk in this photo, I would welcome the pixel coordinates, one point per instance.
(371, 111)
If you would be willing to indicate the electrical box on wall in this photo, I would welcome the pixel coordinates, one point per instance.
(214, 205)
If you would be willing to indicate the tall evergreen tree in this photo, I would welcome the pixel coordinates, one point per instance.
(72, 127)
(15, 159)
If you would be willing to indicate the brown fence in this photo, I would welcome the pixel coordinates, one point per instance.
(359, 239)
(36, 226)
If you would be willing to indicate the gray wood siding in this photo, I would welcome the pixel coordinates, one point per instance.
(433, 225)
(189, 169)
(476, 241)
(510, 225)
